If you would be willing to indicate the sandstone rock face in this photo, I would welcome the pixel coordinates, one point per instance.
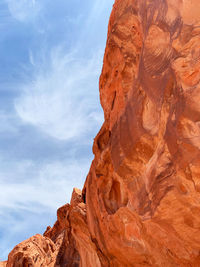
(140, 205)
(3, 264)
(36, 251)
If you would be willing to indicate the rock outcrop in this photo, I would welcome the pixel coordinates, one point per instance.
(140, 205)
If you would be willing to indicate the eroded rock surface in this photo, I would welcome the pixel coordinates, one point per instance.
(36, 251)
(140, 205)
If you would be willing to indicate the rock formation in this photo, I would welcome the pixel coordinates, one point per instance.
(140, 205)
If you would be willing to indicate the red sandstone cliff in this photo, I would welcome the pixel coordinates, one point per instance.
(140, 205)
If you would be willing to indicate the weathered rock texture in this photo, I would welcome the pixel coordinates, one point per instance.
(140, 205)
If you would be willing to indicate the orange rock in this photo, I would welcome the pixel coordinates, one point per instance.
(140, 205)
(36, 251)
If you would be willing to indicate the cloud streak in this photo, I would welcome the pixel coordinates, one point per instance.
(50, 185)
(38, 192)
(61, 100)
(23, 10)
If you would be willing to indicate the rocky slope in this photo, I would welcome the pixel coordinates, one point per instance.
(140, 205)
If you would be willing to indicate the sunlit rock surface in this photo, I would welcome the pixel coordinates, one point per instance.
(140, 205)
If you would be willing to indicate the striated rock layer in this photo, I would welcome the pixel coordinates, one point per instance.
(140, 205)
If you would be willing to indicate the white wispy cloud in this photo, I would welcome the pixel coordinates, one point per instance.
(23, 10)
(35, 195)
(47, 187)
(62, 98)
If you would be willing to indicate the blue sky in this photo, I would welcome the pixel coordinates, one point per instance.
(50, 60)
